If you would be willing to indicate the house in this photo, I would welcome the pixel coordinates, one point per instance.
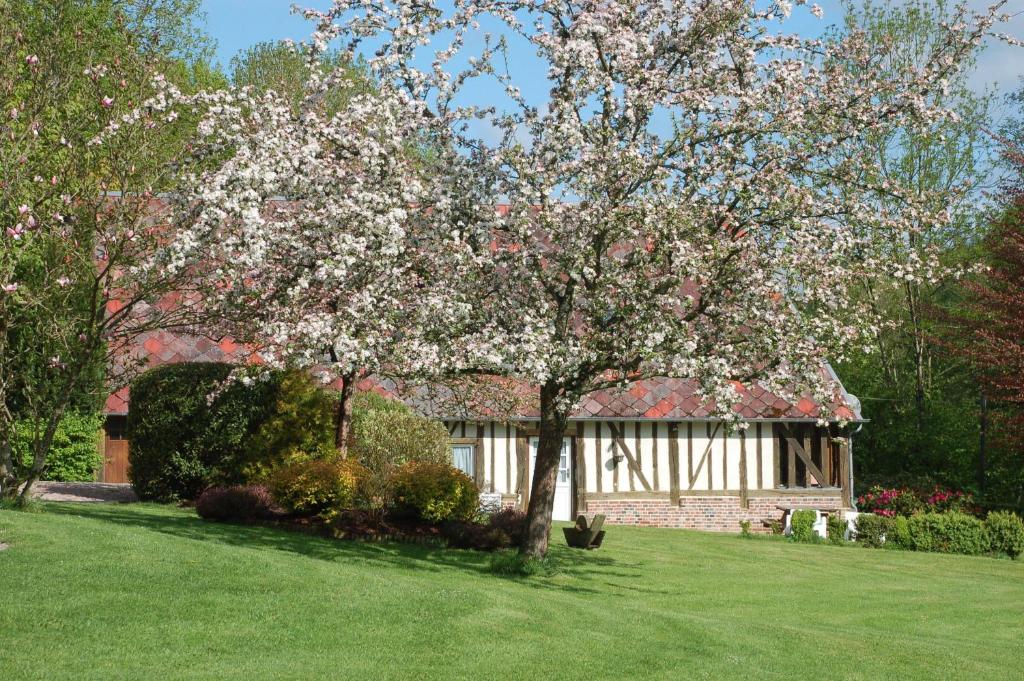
(651, 454)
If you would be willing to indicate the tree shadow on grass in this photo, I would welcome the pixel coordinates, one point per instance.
(589, 570)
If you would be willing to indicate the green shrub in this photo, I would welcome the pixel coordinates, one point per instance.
(320, 487)
(872, 530)
(1005, 533)
(434, 492)
(190, 427)
(75, 454)
(386, 435)
(514, 564)
(301, 420)
(836, 529)
(900, 537)
(801, 524)
(952, 532)
(745, 530)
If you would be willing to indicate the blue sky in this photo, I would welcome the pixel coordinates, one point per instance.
(236, 24)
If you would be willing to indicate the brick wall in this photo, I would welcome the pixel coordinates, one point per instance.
(712, 513)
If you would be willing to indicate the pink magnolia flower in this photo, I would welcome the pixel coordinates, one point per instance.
(31, 60)
(63, 281)
(10, 288)
(107, 102)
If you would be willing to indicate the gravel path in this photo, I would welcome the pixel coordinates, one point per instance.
(84, 491)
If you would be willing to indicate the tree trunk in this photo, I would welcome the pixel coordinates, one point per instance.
(343, 419)
(42, 448)
(545, 473)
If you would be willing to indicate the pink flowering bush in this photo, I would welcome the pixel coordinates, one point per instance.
(892, 502)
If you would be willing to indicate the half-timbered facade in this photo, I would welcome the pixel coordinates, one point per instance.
(653, 455)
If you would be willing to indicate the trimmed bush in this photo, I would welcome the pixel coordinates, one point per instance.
(190, 427)
(1005, 533)
(315, 487)
(872, 530)
(386, 435)
(836, 529)
(187, 428)
(75, 454)
(948, 533)
(434, 492)
(801, 525)
(900, 537)
(238, 504)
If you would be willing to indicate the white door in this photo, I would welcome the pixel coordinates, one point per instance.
(563, 483)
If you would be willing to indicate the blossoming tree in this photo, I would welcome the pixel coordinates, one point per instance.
(687, 198)
(303, 210)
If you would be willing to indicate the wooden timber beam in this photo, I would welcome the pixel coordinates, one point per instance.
(796, 447)
(620, 442)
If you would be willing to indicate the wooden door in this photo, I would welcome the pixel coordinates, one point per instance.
(115, 451)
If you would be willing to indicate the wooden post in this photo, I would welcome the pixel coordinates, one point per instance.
(654, 453)
(826, 458)
(777, 454)
(689, 453)
(494, 460)
(629, 470)
(598, 455)
(580, 469)
(478, 457)
(522, 458)
(744, 500)
(810, 455)
(615, 459)
(760, 462)
(673, 462)
(844, 471)
(791, 461)
(708, 453)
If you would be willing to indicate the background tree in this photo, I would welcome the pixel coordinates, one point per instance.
(990, 333)
(921, 398)
(690, 200)
(79, 217)
(284, 68)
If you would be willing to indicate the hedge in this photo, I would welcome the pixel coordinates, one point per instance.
(75, 454)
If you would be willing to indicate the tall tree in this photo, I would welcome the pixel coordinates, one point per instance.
(689, 200)
(919, 396)
(991, 335)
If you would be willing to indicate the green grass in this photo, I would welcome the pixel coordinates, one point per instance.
(152, 592)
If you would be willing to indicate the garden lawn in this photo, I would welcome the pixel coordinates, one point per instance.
(109, 591)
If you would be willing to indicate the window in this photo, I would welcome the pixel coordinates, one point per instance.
(462, 458)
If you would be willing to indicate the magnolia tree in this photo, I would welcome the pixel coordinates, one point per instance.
(79, 219)
(688, 198)
(303, 208)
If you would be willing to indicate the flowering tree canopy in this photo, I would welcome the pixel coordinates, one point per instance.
(302, 208)
(689, 198)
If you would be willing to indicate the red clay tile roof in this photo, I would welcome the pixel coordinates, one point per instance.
(657, 398)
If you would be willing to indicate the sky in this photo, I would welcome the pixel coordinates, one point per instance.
(237, 24)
